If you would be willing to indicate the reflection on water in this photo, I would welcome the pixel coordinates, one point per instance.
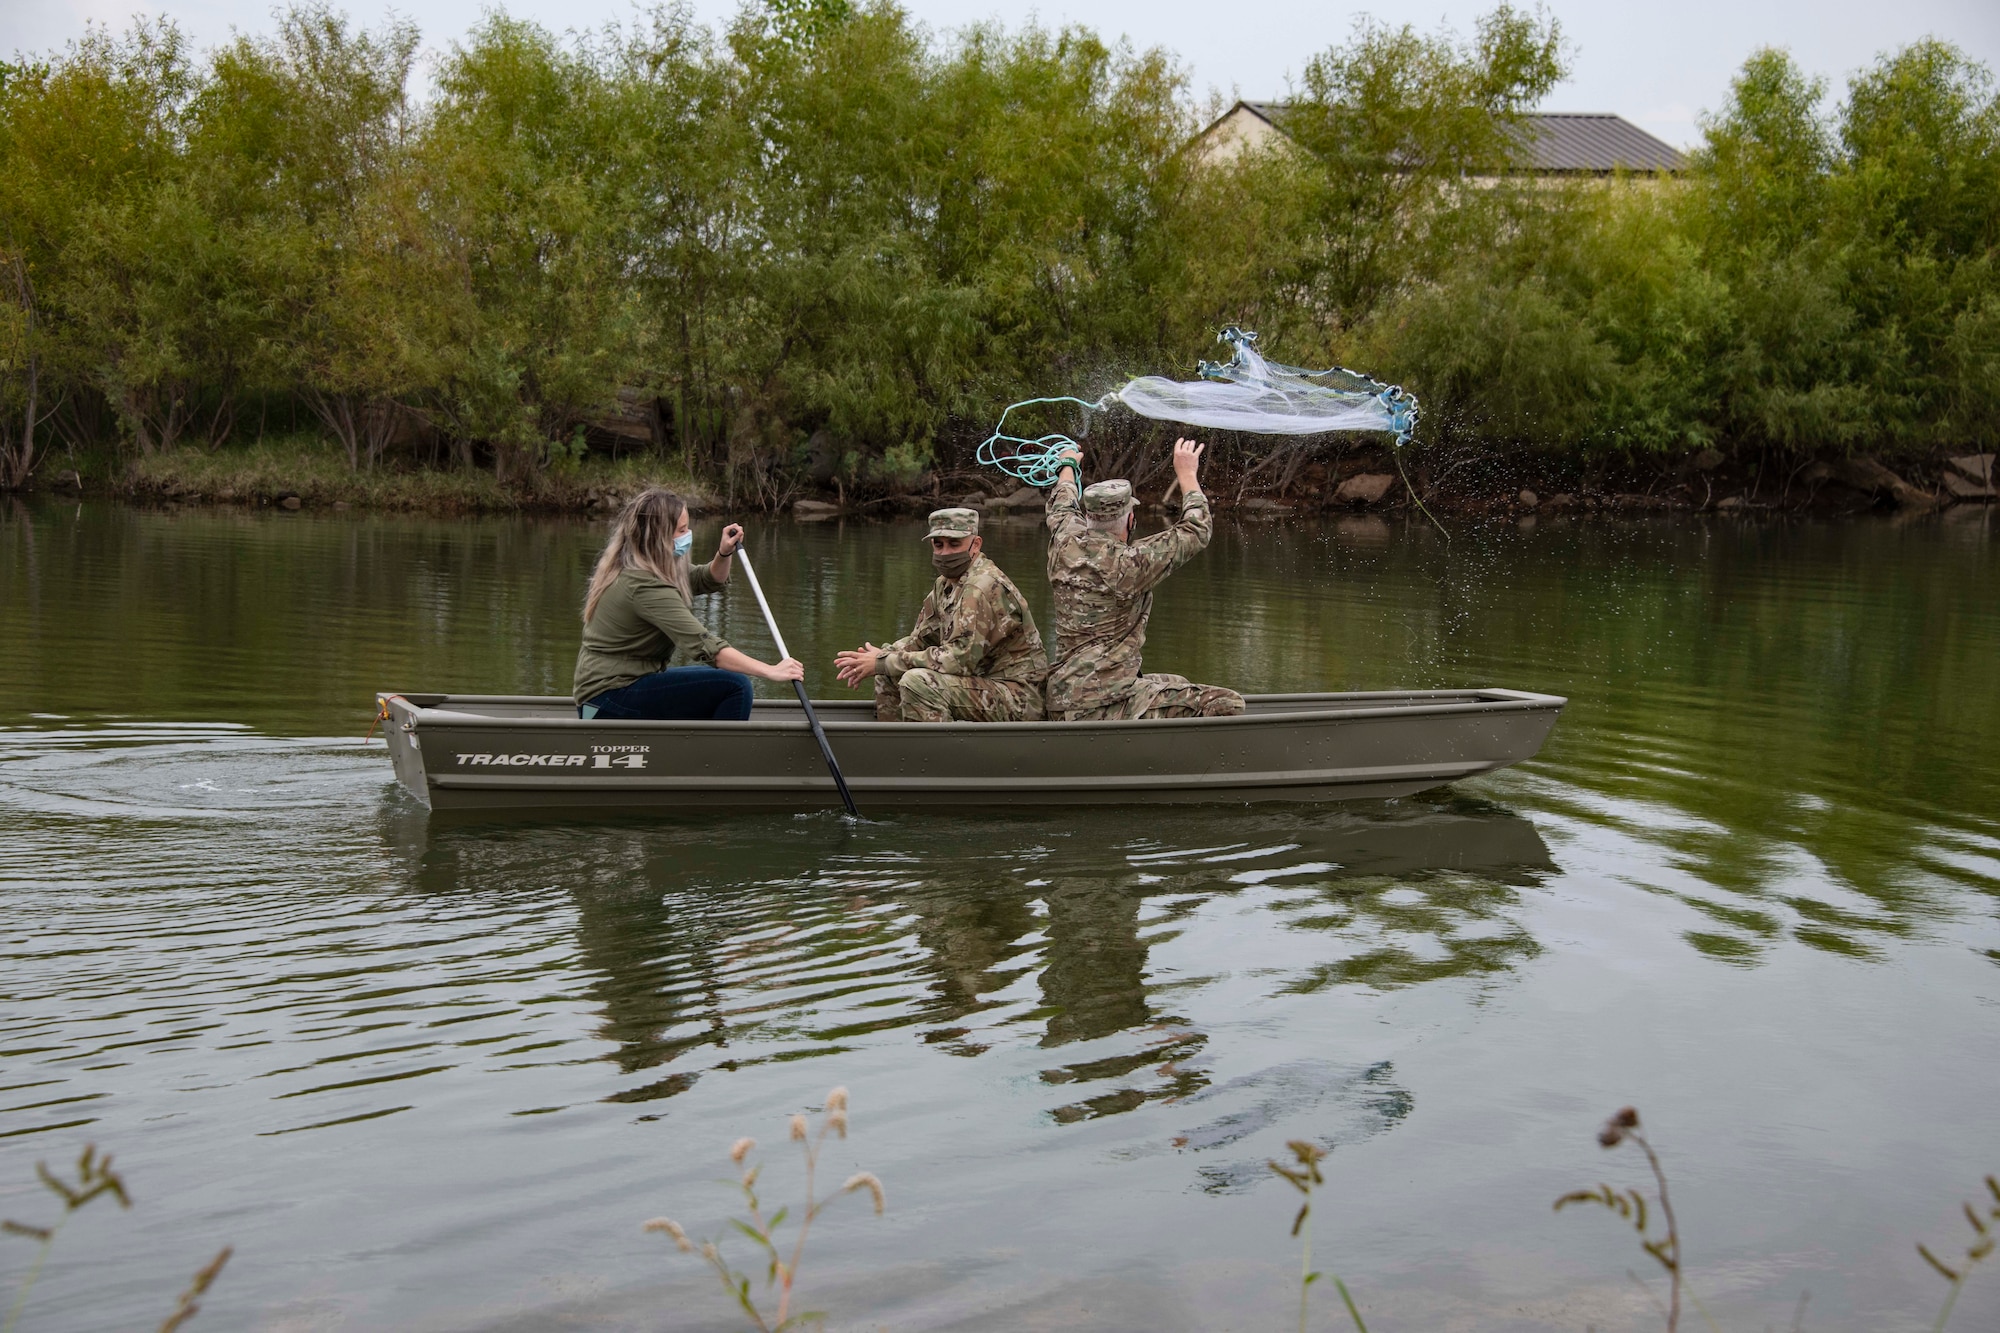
(431, 1073)
(706, 942)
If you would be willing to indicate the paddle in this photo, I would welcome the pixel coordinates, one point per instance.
(819, 732)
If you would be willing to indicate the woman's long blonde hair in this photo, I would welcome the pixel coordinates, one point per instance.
(642, 538)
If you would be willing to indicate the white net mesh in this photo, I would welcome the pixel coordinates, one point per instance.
(1260, 397)
(1245, 393)
(1257, 408)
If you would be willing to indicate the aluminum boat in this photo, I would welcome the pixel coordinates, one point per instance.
(483, 752)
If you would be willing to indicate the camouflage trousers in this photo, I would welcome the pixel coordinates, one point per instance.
(923, 695)
(1161, 695)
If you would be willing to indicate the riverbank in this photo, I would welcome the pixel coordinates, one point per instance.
(305, 472)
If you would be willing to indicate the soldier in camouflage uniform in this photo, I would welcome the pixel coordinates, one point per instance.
(1103, 582)
(975, 655)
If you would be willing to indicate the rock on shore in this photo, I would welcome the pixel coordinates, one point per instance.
(1970, 477)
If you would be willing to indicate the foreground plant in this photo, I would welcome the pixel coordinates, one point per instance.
(1304, 1177)
(780, 1272)
(1981, 1247)
(94, 1180)
(1630, 1204)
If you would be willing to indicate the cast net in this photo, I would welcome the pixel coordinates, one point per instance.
(1245, 393)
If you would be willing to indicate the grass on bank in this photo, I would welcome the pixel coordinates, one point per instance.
(316, 471)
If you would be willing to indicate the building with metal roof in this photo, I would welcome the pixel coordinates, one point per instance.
(1560, 143)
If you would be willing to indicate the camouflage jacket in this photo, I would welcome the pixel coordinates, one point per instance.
(1104, 593)
(978, 626)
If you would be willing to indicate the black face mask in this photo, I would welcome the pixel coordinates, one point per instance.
(952, 564)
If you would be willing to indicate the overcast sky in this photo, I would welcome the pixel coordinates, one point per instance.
(1657, 64)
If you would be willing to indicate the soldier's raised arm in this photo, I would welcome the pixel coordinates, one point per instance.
(1150, 559)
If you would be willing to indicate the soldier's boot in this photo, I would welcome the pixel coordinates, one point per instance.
(1191, 700)
(1220, 701)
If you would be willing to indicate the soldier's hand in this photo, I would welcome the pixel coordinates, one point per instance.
(856, 664)
(1187, 464)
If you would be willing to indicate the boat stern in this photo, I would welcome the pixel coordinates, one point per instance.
(398, 715)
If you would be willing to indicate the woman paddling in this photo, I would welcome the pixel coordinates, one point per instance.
(640, 608)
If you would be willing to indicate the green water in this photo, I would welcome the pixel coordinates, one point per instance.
(435, 1076)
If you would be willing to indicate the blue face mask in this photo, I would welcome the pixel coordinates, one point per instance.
(683, 543)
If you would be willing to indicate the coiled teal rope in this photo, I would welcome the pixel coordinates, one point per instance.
(1033, 461)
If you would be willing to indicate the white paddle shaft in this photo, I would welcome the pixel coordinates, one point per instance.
(770, 620)
(799, 688)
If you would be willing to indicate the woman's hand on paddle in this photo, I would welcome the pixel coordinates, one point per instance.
(788, 670)
(732, 541)
(856, 664)
(1187, 464)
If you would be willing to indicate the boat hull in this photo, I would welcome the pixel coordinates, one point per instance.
(532, 753)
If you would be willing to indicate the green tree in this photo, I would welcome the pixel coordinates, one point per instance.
(1394, 123)
(89, 145)
(1062, 160)
(290, 136)
(510, 234)
(1918, 201)
(827, 232)
(691, 150)
(854, 331)
(1763, 165)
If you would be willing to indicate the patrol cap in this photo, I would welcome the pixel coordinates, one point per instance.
(953, 523)
(1107, 499)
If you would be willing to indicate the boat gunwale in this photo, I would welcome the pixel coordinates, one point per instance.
(1442, 702)
(1429, 773)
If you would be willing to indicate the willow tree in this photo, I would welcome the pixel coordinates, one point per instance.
(92, 215)
(1917, 204)
(1062, 156)
(853, 333)
(1860, 243)
(288, 139)
(690, 148)
(1393, 123)
(509, 236)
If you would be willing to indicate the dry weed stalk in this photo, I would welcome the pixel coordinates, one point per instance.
(1981, 1247)
(94, 1179)
(1631, 1205)
(187, 1307)
(781, 1272)
(1304, 1176)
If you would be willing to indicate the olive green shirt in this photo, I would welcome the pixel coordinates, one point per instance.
(641, 621)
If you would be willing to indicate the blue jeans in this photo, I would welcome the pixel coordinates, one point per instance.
(678, 694)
